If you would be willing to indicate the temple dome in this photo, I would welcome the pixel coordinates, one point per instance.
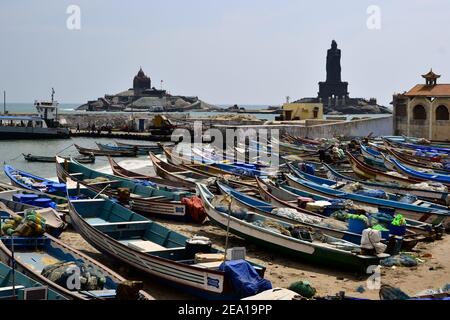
(141, 82)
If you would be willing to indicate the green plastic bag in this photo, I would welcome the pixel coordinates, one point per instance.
(399, 220)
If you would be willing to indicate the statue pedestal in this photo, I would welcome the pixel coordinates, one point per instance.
(327, 90)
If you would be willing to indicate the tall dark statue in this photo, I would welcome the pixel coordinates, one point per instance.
(333, 91)
(334, 64)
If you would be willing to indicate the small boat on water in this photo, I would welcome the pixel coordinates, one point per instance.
(275, 235)
(33, 158)
(97, 152)
(148, 246)
(14, 285)
(139, 195)
(134, 149)
(149, 147)
(29, 181)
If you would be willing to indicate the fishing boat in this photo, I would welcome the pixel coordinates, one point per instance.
(29, 181)
(443, 197)
(185, 178)
(120, 171)
(147, 246)
(416, 230)
(306, 218)
(412, 146)
(33, 255)
(14, 285)
(136, 194)
(113, 148)
(312, 247)
(53, 220)
(419, 210)
(207, 170)
(210, 155)
(96, 152)
(149, 147)
(34, 158)
(424, 176)
(287, 197)
(302, 140)
(417, 162)
(43, 125)
(372, 157)
(366, 172)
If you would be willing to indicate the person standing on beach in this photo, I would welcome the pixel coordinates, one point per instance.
(78, 127)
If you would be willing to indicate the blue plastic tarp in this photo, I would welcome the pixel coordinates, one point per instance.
(244, 278)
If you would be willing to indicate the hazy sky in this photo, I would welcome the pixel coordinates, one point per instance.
(227, 51)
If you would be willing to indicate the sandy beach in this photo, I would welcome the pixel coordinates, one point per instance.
(283, 270)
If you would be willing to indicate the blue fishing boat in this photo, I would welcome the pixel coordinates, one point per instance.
(46, 259)
(442, 196)
(442, 178)
(35, 255)
(283, 195)
(134, 149)
(14, 285)
(419, 210)
(141, 243)
(138, 195)
(426, 148)
(310, 219)
(29, 181)
(282, 237)
(372, 157)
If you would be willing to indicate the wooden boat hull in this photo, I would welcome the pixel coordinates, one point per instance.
(411, 212)
(163, 208)
(209, 170)
(185, 178)
(7, 275)
(86, 151)
(441, 197)
(6, 257)
(33, 158)
(124, 173)
(205, 283)
(369, 173)
(283, 244)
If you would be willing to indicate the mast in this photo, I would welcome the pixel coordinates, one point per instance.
(13, 268)
(4, 101)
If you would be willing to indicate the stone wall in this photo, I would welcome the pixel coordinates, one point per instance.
(356, 128)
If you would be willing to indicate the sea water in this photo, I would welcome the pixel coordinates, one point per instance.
(11, 154)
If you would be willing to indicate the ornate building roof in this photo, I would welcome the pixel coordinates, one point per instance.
(141, 81)
(430, 88)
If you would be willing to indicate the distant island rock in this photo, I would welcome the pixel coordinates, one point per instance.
(144, 97)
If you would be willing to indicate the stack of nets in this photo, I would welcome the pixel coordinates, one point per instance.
(32, 224)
